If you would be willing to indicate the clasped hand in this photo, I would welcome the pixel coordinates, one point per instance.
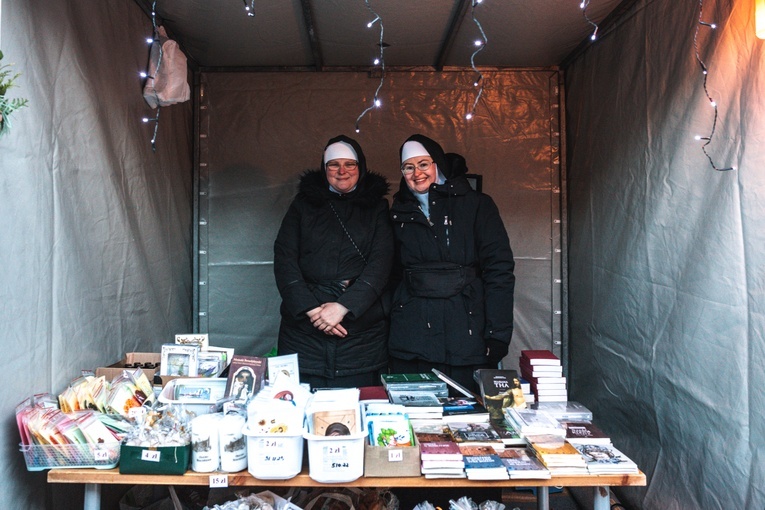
(327, 318)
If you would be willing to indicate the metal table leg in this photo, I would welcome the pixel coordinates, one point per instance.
(543, 498)
(92, 496)
(601, 498)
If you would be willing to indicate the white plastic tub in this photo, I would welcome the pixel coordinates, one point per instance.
(335, 459)
(274, 456)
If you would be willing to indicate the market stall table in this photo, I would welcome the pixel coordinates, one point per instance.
(94, 478)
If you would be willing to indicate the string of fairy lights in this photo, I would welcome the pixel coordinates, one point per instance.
(705, 73)
(583, 5)
(145, 74)
(379, 61)
(480, 44)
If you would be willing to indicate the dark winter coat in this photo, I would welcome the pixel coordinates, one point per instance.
(312, 253)
(466, 229)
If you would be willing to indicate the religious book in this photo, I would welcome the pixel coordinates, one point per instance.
(443, 450)
(463, 409)
(480, 433)
(522, 463)
(554, 450)
(539, 357)
(584, 432)
(499, 389)
(507, 432)
(604, 459)
(532, 422)
(431, 432)
(246, 376)
(485, 467)
(477, 449)
(426, 381)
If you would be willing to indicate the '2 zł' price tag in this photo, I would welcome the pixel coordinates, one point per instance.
(218, 480)
(150, 455)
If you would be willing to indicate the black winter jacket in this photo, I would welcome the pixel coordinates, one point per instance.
(312, 253)
(468, 230)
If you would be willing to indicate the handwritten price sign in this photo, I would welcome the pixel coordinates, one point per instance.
(219, 480)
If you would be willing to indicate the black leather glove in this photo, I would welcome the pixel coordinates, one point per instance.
(495, 351)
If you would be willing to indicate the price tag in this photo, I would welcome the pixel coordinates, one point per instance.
(395, 455)
(219, 480)
(150, 455)
(100, 455)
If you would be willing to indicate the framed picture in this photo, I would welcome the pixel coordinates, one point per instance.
(245, 377)
(180, 360)
(476, 181)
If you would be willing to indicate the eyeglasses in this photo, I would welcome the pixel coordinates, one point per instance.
(422, 166)
(348, 165)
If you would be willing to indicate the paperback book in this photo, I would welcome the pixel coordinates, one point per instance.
(481, 433)
(522, 463)
(584, 432)
(554, 451)
(605, 459)
(485, 467)
(246, 376)
(532, 422)
(442, 450)
(507, 433)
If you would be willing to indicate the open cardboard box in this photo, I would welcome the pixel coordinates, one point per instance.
(131, 358)
(392, 461)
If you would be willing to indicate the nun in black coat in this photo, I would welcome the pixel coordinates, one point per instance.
(332, 260)
(453, 307)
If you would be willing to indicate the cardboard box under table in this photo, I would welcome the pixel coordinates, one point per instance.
(392, 461)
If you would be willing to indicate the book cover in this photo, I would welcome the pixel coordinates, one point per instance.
(539, 357)
(499, 389)
(477, 449)
(522, 463)
(414, 398)
(605, 459)
(409, 378)
(389, 430)
(485, 467)
(443, 450)
(464, 410)
(474, 433)
(530, 422)
(431, 433)
(507, 432)
(246, 375)
(584, 432)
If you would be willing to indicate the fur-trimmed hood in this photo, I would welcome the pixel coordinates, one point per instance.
(314, 188)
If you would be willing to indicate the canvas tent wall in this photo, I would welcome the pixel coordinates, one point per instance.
(96, 237)
(665, 255)
(666, 299)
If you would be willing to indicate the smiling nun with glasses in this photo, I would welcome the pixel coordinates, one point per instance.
(453, 307)
(332, 259)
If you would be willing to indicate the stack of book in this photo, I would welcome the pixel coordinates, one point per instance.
(530, 422)
(528, 395)
(485, 467)
(463, 409)
(564, 411)
(476, 434)
(544, 372)
(426, 381)
(558, 455)
(522, 463)
(602, 459)
(442, 459)
(508, 433)
(419, 404)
